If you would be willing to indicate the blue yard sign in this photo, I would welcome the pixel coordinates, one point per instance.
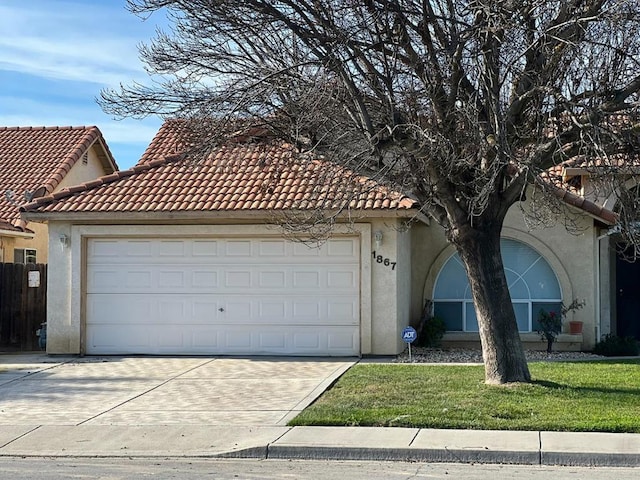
(409, 335)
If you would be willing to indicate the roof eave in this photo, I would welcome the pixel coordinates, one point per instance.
(106, 157)
(592, 209)
(115, 217)
(16, 234)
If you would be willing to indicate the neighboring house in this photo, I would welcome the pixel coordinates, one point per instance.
(36, 161)
(176, 257)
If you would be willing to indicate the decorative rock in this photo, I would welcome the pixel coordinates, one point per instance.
(460, 356)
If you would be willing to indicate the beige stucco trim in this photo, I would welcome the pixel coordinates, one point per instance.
(16, 234)
(73, 260)
(566, 287)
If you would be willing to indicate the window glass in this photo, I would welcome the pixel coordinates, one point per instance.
(452, 281)
(471, 318)
(542, 281)
(24, 255)
(522, 316)
(529, 277)
(517, 287)
(29, 255)
(451, 313)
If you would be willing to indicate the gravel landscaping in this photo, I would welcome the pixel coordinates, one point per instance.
(432, 355)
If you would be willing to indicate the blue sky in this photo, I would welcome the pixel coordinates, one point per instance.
(56, 56)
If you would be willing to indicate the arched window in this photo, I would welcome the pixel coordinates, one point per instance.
(532, 283)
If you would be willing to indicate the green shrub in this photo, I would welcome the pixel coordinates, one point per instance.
(430, 329)
(432, 332)
(615, 346)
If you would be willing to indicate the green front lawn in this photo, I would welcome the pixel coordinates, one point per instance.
(564, 396)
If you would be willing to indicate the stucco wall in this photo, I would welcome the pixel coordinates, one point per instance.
(6, 249)
(39, 242)
(81, 173)
(391, 285)
(572, 257)
(63, 326)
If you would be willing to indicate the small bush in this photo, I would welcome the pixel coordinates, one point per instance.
(430, 329)
(550, 327)
(551, 322)
(432, 332)
(615, 346)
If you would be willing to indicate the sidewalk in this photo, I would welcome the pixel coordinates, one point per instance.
(68, 407)
(335, 443)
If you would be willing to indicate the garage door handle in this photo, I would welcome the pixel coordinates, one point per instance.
(221, 309)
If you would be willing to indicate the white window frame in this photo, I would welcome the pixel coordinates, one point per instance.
(529, 302)
(27, 255)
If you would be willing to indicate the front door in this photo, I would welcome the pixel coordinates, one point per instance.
(628, 298)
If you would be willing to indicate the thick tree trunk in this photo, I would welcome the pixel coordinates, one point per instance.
(504, 358)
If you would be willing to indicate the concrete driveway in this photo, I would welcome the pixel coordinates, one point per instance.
(155, 391)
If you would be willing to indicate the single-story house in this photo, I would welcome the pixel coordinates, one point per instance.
(178, 257)
(36, 161)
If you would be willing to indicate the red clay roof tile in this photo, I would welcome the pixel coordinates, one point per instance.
(38, 158)
(238, 176)
(241, 177)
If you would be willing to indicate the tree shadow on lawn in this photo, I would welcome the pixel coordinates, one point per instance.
(607, 391)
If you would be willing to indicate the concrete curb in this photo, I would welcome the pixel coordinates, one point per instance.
(436, 456)
(586, 449)
(403, 454)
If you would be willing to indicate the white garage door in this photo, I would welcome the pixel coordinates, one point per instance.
(222, 296)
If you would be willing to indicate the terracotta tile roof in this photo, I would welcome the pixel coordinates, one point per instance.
(239, 177)
(9, 227)
(568, 189)
(566, 179)
(236, 177)
(606, 216)
(36, 159)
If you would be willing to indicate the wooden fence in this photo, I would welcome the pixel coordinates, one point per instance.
(23, 305)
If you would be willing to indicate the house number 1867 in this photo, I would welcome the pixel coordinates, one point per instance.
(383, 260)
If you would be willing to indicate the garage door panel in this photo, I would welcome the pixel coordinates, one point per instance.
(110, 309)
(171, 337)
(272, 248)
(341, 340)
(222, 296)
(332, 279)
(171, 311)
(151, 278)
(194, 309)
(346, 247)
(135, 278)
(205, 339)
(127, 339)
(123, 251)
(209, 340)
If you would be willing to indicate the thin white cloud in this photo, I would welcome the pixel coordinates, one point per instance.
(128, 131)
(127, 139)
(55, 56)
(69, 41)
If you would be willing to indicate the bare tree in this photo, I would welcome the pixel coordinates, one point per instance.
(462, 104)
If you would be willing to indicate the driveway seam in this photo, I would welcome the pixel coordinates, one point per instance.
(146, 391)
(20, 436)
(30, 374)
